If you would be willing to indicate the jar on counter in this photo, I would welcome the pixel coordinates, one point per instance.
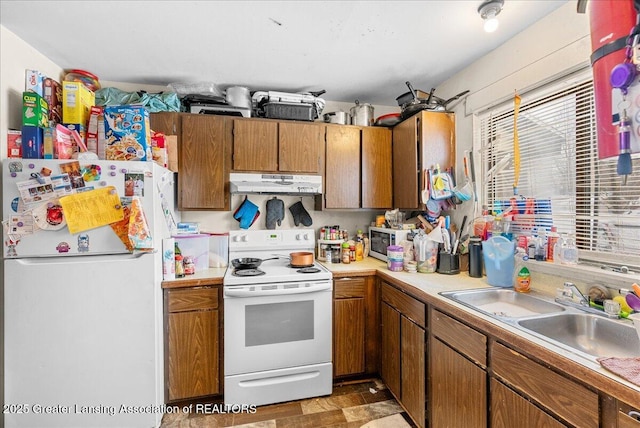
(189, 265)
(395, 258)
(336, 253)
(346, 253)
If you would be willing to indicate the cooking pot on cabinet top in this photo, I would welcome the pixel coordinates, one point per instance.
(339, 117)
(362, 114)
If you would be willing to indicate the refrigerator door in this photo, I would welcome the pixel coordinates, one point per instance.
(153, 184)
(84, 335)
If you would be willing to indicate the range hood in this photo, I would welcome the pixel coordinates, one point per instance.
(275, 184)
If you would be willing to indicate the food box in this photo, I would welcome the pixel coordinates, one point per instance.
(171, 142)
(48, 136)
(127, 133)
(53, 96)
(82, 131)
(14, 143)
(95, 131)
(33, 82)
(32, 142)
(77, 101)
(35, 111)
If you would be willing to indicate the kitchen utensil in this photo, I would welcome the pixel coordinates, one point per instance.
(390, 119)
(633, 301)
(238, 96)
(425, 187)
(362, 114)
(339, 117)
(249, 262)
(301, 259)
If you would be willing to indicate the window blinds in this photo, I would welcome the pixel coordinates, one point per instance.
(561, 179)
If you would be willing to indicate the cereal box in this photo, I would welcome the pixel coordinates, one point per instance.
(33, 82)
(32, 142)
(14, 143)
(77, 101)
(35, 111)
(53, 96)
(127, 133)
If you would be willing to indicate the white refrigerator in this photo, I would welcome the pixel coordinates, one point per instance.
(83, 326)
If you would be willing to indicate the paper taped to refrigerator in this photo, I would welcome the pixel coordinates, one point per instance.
(91, 209)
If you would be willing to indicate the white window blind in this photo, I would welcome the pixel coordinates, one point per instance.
(561, 178)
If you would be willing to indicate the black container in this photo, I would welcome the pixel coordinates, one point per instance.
(475, 257)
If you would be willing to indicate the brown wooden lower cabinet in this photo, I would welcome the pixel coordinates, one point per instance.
(628, 416)
(355, 327)
(509, 409)
(193, 342)
(403, 339)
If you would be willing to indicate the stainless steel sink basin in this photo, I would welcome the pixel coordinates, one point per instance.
(591, 334)
(501, 302)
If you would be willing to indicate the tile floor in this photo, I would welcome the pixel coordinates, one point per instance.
(365, 404)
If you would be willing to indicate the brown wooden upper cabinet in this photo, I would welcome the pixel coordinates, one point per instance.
(358, 168)
(420, 142)
(264, 145)
(204, 157)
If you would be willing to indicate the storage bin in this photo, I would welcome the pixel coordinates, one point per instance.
(218, 250)
(196, 247)
(499, 263)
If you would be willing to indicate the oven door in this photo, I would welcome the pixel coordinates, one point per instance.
(275, 326)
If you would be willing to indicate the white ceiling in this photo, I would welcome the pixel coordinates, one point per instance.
(363, 50)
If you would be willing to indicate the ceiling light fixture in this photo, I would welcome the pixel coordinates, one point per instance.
(489, 11)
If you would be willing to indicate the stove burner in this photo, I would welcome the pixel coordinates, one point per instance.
(309, 269)
(248, 272)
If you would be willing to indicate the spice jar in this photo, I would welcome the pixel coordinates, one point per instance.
(346, 254)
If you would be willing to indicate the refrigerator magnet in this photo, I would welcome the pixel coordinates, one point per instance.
(49, 216)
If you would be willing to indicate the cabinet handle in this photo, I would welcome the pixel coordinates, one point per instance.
(634, 414)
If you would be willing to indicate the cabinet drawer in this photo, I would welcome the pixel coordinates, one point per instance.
(628, 416)
(459, 336)
(192, 299)
(349, 287)
(407, 305)
(569, 400)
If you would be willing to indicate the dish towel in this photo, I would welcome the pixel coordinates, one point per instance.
(626, 368)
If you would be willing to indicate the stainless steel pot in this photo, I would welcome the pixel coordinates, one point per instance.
(238, 96)
(339, 117)
(362, 114)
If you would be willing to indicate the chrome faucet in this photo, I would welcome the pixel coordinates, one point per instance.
(570, 295)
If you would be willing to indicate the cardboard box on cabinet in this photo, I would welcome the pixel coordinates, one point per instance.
(77, 101)
(127, 133)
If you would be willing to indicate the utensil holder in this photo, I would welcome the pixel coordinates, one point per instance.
(448, 264)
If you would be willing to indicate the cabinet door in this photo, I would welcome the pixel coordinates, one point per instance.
(390, 355)
(342, 177)
(412, 368)
(204, 163)
(508, 409)
(348, 339)
(457, 393)
(193, 354)
(300, 147)
(377, 182)
(165, 122)
(405, 164)
(255, 145)
(438, 143)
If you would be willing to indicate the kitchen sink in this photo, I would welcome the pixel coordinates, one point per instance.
(594, 335)
(504, 303)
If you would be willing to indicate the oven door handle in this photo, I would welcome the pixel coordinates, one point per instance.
(277, 292)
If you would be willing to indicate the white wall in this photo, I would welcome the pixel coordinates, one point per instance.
(553, 47)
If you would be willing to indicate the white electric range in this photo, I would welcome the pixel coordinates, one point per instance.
(277, 321)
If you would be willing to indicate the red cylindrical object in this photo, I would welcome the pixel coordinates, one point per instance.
(610, 21)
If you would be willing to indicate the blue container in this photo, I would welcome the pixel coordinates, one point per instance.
(499, 262)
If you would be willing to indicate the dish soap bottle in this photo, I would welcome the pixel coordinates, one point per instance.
(521, 274)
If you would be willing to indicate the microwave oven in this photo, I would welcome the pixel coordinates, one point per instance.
(381, 237)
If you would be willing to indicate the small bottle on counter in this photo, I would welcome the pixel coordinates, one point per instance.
(179, 266)
(346, 253)
(352, 252)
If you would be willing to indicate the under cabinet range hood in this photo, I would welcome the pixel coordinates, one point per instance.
(275, 184)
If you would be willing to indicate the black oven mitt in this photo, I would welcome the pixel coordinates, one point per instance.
(300, 215)
(275, 212)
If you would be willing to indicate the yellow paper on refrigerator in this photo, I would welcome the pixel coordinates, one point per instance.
(139, 232)
(91, 209)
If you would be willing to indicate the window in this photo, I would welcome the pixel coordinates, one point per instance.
(562, 182)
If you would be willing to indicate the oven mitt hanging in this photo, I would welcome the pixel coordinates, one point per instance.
(300, 215)
(275, 212)
(246, 214)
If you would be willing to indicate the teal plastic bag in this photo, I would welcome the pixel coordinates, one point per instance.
(162, 101)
